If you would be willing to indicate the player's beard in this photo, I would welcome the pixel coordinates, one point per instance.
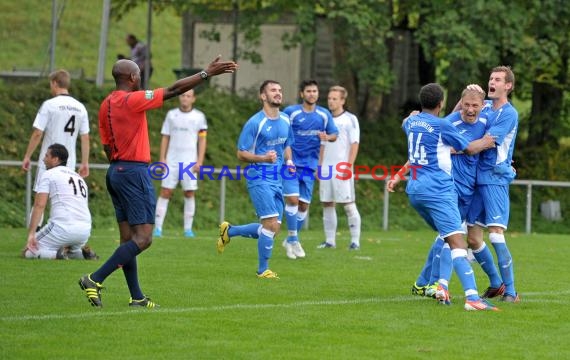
(276, 103)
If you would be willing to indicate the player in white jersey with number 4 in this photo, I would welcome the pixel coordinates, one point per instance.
(69, 225)
(333, 188)
(183, 148)
(60, 120)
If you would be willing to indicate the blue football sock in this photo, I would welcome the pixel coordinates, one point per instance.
(122, 255)
(301, 216)
(249, 230)
(424, 277)
(291, 216)
(264, 249)
(484, 257)
(132, 277)
(445, 264)
(505, 261)
(465, 273)
(435, 261)
(300, 224)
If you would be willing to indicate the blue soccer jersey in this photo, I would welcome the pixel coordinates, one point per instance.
(429, 150)
(495, 164)
(465, 166)
(306, 127)
(259, 135)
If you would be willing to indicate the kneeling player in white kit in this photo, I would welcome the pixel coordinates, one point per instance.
(69, 225)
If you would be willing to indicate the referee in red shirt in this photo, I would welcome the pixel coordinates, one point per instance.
(124, 135)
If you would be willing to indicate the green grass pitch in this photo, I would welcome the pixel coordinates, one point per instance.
(334, 304)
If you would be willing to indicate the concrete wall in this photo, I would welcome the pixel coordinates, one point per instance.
(278, 64)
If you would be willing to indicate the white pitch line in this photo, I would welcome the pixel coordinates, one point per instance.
(101, 312)
(407, 298)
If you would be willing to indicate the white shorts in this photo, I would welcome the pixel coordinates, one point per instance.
(337, 190)
(53, 236)
(187, 182)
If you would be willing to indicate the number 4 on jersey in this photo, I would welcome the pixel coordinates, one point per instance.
(417, 152)
(70, 125)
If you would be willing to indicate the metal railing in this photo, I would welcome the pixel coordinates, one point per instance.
(385, 208)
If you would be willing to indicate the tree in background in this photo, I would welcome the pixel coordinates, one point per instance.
(545, 62)
(454, 42)
(360, 29)
(471, 37)
(361, 65)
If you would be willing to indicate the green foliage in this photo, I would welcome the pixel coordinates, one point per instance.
(463, 39)
(369, 22)
(503, 33)
(470, 37)
(305, 17)
(545, 44)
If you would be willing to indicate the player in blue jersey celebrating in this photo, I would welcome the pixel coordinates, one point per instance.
(313, 126)
(431, 190)
(265, 143)
(491, 204)
(472, 125)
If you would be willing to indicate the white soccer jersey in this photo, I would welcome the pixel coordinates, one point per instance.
(183, 129)
(348, 134)
(68, 195)
(61, 118)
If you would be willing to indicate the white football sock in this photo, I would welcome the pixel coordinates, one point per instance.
(189, 210)
(354, 222)
(161, 209)
(330, 224)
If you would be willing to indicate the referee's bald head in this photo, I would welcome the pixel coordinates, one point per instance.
(126, 72)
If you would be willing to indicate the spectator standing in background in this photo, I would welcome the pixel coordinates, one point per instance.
(140, 55)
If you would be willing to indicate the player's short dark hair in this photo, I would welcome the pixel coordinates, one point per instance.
(306, 83)
(264, 85)
(430, 96)
(61, 78)
(59, 151)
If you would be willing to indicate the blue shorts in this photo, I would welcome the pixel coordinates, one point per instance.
(267, 200)
(465, 198)
(440, 212)
(490, 206)
(300, 184)
(132, 192)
